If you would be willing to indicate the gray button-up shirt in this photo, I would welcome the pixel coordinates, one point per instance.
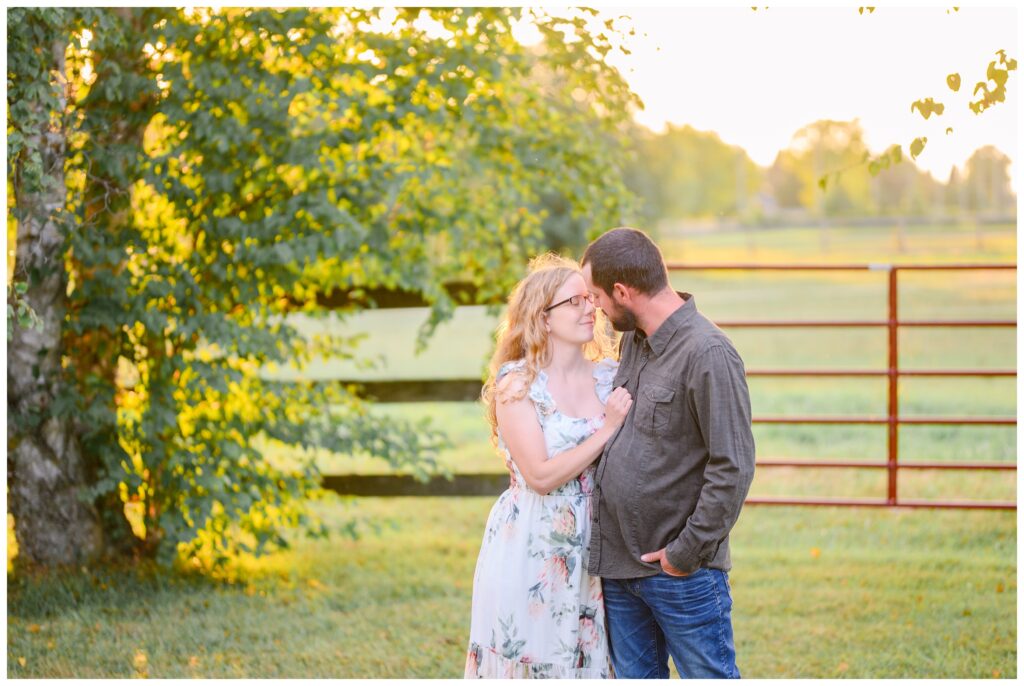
(676, 473)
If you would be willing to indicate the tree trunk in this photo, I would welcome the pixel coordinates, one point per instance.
(45, 472)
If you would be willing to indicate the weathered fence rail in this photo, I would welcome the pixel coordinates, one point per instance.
(390, 485)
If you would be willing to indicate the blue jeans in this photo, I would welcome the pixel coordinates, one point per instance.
(689, 618)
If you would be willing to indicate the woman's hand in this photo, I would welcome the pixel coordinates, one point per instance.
(617, 407)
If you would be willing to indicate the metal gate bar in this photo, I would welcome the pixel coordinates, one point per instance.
(892, 419)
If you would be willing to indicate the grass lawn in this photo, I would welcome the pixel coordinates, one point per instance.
(818, 593)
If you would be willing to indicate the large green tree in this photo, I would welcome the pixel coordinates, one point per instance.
(683, 172)
(986, 183)
(904, 189)
(818, 148)
(227, 168)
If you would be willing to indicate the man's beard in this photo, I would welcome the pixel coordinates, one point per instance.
(622, 320)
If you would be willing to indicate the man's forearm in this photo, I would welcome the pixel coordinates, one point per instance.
(718, 508)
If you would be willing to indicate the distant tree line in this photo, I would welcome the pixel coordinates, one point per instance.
(684, 173)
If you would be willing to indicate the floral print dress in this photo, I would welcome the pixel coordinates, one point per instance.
(536, 612)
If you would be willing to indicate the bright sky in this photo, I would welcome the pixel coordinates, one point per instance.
(757, 77)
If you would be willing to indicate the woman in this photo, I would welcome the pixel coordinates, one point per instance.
(536, 611)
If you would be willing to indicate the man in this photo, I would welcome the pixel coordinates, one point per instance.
(672, 480)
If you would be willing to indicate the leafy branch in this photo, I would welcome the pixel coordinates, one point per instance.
(992, 90)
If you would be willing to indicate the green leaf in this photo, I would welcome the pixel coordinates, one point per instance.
(927, 107)
(917, 147)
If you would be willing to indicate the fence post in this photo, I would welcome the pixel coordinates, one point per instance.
(894, 399)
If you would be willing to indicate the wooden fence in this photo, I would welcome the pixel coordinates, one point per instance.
(462, 390)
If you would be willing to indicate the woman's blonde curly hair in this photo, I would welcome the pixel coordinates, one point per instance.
(522, 334)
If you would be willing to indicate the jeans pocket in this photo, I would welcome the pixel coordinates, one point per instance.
(699, 571)
(695, 597)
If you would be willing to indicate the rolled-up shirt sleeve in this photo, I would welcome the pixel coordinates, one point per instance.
(718, 397)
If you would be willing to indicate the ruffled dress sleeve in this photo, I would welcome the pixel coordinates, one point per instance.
(513, 366)
(538, 393)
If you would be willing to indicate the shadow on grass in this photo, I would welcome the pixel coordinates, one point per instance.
(144, 587)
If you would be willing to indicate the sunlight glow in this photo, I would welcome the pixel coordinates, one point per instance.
(755, 78)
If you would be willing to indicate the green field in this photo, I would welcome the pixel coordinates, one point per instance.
(819, 592)
(460, 349)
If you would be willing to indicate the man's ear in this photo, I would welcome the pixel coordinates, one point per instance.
(621, 292)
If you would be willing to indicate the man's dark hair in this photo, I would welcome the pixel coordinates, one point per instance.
(629, 257)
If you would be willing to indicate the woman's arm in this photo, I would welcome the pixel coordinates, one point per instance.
(522, 433)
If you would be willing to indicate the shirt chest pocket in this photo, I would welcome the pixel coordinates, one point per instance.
(654, 408)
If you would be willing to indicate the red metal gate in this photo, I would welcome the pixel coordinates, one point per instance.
(893, 419)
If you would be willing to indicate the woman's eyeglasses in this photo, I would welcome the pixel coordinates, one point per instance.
(575, 301)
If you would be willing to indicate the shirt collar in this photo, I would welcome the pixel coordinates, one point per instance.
(668, 328)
